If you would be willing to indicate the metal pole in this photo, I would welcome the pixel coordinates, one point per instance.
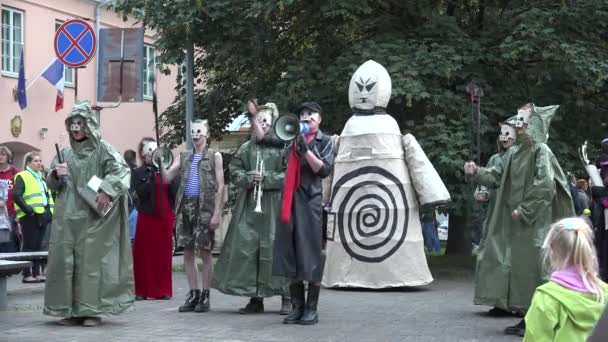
(3, 296)
(75, 85)
(189, 91)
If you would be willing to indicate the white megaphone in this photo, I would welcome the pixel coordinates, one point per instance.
(287, 127)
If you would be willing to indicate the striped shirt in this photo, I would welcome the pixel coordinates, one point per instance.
(193, 184)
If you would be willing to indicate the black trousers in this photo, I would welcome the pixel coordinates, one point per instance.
(33, 228)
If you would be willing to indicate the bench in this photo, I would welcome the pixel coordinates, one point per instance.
(14, 263)
(24, 256)
(7, 269)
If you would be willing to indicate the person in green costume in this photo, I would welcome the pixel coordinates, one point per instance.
(567, 307)
(484, 195)
(245, 264)
(487, 196)
(90, 270)
(532, 193)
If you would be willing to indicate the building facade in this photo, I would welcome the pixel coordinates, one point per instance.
(30, 25)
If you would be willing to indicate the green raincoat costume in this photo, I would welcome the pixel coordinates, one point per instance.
(245, 264)
(486, 209)
(90, 270)
(561, 314)
(509, 266)
(494, 161)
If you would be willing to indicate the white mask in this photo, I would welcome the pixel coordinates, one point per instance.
(307, 115)
(148, 148)
(370, 87)
(265, 117)
(199, 129)
(523, 115)
(506, 132)
(76, 124)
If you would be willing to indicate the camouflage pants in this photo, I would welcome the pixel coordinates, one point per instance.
(190, 233)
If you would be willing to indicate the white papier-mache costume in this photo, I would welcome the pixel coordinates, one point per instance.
(380, 179)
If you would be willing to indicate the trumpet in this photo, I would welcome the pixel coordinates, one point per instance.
(257, 191)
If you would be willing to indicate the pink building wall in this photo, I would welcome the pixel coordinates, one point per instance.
(122, 127)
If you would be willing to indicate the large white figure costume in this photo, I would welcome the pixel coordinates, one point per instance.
(380, 179)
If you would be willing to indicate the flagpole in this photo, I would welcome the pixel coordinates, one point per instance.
(40, 74)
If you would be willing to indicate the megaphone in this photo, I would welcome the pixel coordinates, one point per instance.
(162, 156)
(287, 127)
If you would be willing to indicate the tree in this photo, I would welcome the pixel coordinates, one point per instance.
(293, 50)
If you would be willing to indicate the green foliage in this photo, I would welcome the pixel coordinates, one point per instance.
(289, 51)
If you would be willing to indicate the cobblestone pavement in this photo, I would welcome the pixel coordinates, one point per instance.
(442, 311)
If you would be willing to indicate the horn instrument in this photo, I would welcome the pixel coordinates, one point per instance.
(257, 191)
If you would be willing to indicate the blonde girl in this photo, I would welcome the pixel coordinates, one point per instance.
(567, 307)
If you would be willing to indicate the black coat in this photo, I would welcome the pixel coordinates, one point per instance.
(601, 234)
(142, 187)
(297, 247)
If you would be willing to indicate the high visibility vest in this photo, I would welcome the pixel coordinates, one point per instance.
(32, 195)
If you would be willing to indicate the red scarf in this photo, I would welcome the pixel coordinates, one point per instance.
(292, 180)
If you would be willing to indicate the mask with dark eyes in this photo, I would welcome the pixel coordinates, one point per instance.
(370, 87)
(148, 148)
(523, 116)
(264, 118)
(199, 129)
(507, 132)
(76, 124)
(307, 115)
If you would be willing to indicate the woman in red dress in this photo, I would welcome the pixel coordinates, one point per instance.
(152, 249)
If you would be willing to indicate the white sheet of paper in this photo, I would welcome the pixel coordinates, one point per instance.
(94, 183)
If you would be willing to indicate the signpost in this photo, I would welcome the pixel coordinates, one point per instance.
(75, 45)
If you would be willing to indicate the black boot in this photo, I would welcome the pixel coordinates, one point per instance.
(518, 330)
(296, 291)
(499, 312)
(310, 315)
(255, 305)
(192, 299)
(285, 306)
(203, 304)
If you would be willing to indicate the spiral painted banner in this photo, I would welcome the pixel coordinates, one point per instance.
(370, 219)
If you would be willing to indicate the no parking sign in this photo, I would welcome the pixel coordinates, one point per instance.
(75, 43)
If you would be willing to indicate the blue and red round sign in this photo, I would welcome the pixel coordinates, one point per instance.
(75, 43)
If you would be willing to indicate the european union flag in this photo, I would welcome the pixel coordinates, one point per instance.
(21, 95)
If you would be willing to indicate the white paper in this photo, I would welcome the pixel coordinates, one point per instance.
(94, 183)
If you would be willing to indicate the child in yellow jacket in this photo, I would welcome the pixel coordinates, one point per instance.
(566, 308)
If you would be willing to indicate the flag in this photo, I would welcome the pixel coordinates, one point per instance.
(54, 74)
(21, 95)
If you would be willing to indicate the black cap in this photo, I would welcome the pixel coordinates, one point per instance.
(312, 106)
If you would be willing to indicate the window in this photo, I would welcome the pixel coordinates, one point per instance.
(12, 40)
(68, 73)
(149, 67)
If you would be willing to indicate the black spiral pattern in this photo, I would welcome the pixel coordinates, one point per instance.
(364, 216)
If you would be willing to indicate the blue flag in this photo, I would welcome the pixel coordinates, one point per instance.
(21, 95)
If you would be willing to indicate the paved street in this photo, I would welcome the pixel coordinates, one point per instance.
(439, 312)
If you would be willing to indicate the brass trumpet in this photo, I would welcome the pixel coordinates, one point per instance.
(257, 191)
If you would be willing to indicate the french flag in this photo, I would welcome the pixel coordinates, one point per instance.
(54, 74)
